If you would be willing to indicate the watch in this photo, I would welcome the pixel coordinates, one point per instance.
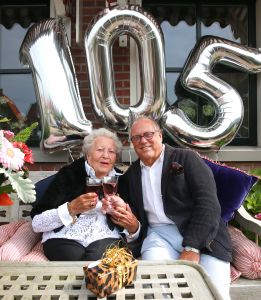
(187, 248)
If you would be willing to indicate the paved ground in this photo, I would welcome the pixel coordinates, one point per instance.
(244, 289)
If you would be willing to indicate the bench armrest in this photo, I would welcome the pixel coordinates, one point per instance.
(247, 221)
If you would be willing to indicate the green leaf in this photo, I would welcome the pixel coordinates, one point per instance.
(6, 189)
(24, 187)
(255, 172)
(23, 135)
(3, 120)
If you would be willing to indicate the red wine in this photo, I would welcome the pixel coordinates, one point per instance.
(109, 188)
(93, 188)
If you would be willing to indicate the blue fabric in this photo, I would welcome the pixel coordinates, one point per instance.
(41, 186)
(233, 186)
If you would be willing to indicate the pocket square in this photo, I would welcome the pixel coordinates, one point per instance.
(176, 168)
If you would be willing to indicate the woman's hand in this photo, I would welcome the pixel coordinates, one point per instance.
(124, 217)
(83, 203)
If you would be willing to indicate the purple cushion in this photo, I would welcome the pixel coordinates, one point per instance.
(233, 186)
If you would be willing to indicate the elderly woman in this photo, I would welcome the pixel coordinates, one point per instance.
(72, 221)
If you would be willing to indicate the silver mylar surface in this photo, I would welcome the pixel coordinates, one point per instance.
(46, 50)
(197, 78)
(105, 29)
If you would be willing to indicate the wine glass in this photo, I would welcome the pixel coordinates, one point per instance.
(109, 184)
(93, 185)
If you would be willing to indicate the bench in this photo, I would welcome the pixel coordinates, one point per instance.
(21, 210)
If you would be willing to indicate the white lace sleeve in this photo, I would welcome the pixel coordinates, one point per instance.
(47, 221)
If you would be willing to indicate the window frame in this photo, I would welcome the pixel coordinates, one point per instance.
(39, 155)
(21, 71)
(252, 138)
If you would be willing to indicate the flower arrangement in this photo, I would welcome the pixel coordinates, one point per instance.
(14, 154)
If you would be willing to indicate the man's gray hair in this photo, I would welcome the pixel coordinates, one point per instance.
(142, 117)
(89, 139)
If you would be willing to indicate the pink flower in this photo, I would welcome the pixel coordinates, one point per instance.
(258, 216)
(8, 134)
(28, 153)
(14, 174)
(10, 157)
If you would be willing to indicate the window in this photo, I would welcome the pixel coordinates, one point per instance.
(183, 24)
(17, 96)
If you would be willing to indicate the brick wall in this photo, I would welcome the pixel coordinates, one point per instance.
(45, 166)
(121, 61)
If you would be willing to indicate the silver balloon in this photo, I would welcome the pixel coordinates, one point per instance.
(106, 28)
(198, 78)
(46, 50)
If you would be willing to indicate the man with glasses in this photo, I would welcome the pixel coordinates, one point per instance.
(172, 192)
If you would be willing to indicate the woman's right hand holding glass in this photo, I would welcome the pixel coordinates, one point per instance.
(83, 203)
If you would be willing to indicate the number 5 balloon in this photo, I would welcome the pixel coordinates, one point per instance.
(45, 48)
(198, 78)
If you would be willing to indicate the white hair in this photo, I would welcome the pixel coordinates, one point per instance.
(89, 139)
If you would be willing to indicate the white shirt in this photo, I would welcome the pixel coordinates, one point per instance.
(151, 192)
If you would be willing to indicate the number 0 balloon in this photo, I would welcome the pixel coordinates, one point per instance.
(107, 27)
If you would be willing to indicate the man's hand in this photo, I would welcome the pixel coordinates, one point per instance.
(190, 255)
(111, 203)
(124, 217)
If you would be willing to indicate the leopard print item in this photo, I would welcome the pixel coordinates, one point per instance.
(103, 281)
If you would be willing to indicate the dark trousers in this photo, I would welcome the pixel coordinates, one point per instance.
(69, 250)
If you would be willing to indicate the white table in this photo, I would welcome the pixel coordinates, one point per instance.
(65, 280)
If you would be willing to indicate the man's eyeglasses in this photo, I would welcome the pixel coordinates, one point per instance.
(147, 135)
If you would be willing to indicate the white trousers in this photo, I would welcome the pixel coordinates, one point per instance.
(166, 242)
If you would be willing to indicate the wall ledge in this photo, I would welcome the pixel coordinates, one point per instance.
(229, 153)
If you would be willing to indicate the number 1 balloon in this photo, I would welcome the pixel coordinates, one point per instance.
(46, 50)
